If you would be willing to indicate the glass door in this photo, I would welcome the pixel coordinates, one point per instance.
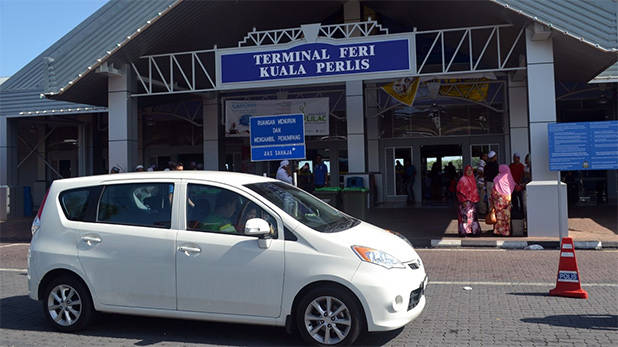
(398, 162)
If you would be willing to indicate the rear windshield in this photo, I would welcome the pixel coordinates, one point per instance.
(304, 207)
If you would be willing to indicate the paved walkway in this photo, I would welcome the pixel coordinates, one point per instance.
(426, 226)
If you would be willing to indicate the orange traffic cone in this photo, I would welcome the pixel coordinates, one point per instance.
(568, 283)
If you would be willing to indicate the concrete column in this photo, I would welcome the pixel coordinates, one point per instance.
(8, 163)
(355, 116)
(518, 119)
(373, 128)
(210, 128)
(122, 130)
(82, 149)
(8, 151)
(545, 197)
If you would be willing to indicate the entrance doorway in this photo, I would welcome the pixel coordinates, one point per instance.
(398, 159)
(441, 166)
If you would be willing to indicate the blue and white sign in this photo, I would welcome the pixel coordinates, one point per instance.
(322, 61)
(583, 146)
(277, 137)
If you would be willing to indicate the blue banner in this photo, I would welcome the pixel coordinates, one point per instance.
(316, 60)
(277, 137)
(583, 146)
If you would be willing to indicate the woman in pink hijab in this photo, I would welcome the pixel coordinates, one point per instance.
(504, 184)
(468, 196)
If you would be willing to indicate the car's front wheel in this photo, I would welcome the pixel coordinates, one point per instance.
(329, 316)
(67, 304)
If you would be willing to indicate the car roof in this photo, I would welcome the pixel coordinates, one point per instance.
(231, 178)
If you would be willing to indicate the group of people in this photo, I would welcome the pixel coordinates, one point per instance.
(171, 166)
(307, 180)
(492, 190)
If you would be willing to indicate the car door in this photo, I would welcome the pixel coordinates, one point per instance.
(128, 253)
(220, 270)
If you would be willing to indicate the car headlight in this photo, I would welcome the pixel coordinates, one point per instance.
(377, 257)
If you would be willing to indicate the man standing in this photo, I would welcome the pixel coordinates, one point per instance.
(517, 171)
(410, 172)
(320, 172)
(283, 173)
(491, 171)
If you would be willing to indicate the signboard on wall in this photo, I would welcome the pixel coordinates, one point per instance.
(277, 137)
(326, 60)
(315, 111)
(583, 146)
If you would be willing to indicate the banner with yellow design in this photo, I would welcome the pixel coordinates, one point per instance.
(403, 90)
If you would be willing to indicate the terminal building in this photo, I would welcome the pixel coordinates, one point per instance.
(150, 82)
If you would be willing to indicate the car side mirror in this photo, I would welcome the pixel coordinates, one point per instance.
(257, 227)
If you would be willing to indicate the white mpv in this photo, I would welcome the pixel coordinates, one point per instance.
(218, 246)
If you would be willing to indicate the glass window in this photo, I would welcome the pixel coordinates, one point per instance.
(80, 204)
(304, 207)
(214, 209)
(143, 204)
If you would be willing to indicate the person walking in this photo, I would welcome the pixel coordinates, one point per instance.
(468, 196)
(517, 171)
(491, 171)
(410, 172)
(283, 173)
(503, 188)
(305, 178)
(480, 183)
(320, 172)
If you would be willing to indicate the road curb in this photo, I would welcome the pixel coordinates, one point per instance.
(503, 244)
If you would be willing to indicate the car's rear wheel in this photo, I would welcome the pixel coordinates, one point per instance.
(329, 316)
(67, 304)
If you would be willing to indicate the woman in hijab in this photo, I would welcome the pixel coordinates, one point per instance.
(504, 184)
(468, 196)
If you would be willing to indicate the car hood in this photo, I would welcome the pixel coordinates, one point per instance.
(368, 235)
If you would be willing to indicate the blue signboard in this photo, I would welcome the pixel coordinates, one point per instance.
(583, 146)
(316, 60)
(277, 137)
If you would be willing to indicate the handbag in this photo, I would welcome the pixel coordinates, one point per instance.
(491, 217)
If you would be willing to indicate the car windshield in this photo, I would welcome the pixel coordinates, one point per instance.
(304, 207)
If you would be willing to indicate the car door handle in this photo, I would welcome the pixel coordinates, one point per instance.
(189, 250)
(91, 240)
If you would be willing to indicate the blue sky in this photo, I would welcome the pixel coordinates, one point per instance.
(28, 27)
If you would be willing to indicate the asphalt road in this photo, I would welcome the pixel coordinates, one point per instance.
(507, 305)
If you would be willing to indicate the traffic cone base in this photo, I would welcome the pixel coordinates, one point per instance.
(568, 283)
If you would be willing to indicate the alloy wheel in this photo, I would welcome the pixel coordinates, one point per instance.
(328, 320)
(64, 305)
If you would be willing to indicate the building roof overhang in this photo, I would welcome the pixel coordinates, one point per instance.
(173, 30)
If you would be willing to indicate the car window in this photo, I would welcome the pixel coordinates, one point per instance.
(214, 209)
(142, 204)
(80, 204)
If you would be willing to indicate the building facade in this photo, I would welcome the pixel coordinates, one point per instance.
(153, 82)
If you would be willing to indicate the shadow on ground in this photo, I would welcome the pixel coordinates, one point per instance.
(23, 313)
(583, 321)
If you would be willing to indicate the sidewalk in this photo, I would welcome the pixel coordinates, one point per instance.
(436, 227)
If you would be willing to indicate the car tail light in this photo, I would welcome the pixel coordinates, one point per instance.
(36, 224)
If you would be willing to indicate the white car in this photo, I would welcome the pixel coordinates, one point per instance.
(218, 246)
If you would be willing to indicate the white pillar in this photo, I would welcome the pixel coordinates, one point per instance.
(122, 113)
(8, 151)
(518, 119)
(544, 216)
(210, 128)
(355, 116)
(8, 163)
